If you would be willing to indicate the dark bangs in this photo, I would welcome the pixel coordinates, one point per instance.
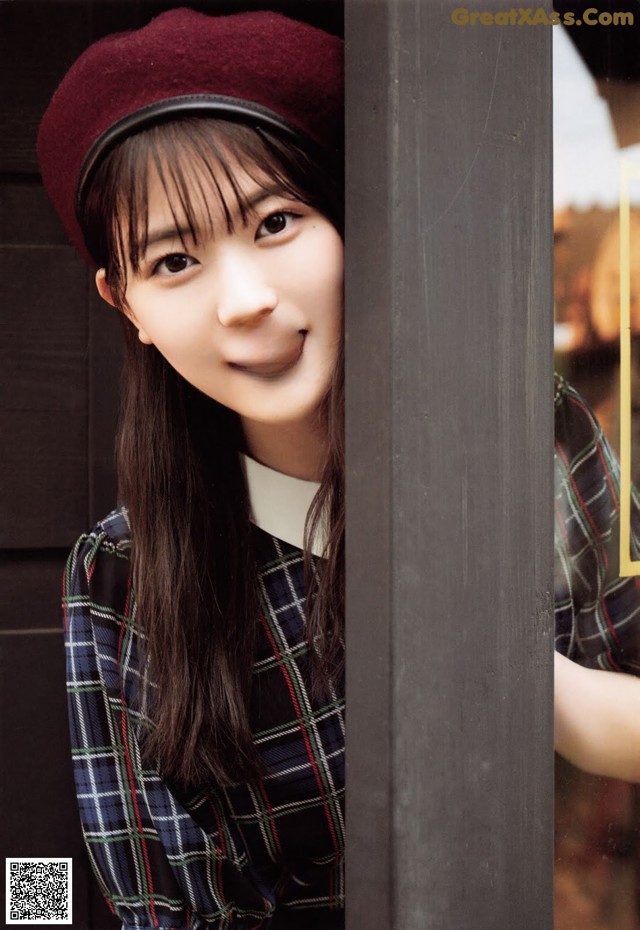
(196, 160)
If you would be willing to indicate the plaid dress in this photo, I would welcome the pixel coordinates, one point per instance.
(267, 854)
(597, 613)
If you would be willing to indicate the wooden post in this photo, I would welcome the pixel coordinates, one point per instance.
(449, 470)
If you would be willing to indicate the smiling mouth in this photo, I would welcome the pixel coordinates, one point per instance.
(275, 367)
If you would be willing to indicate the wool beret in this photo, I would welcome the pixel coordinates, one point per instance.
(260, 67)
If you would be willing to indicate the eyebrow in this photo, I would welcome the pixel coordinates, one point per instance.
(170, 233)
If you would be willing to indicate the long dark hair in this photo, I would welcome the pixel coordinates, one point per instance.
(194, 571)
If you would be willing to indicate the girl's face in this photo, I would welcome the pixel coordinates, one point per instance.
(251, 312)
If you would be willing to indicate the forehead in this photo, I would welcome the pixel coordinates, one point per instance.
(213, 197)
(198, 175)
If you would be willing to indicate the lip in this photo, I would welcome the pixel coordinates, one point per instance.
(274, 366)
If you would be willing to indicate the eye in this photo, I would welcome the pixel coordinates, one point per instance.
(275, 223)
(173, 264)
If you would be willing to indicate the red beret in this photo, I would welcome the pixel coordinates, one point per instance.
(261, 67)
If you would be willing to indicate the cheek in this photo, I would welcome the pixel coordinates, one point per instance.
(170, 329)
(330, 258)
(322, 274)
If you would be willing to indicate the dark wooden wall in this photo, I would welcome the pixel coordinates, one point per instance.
(59, 359)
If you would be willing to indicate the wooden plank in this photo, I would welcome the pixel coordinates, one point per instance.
(104, 374)
(113, 15)
(31, 586)
(39, 807)
(43, 495)
(369, 371)
(450, 539)
(38, 43)
(43, 330)
(27, 217)
(43, 397)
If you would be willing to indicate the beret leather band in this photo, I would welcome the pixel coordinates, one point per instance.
(188, 104)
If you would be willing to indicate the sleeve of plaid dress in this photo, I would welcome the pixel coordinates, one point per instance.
(597, 613)
(161, 862)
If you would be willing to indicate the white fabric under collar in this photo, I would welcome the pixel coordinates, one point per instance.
(280, 503)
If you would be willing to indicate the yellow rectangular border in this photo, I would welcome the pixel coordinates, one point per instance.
(628, 171)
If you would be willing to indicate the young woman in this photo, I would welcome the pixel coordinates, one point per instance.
(197, 163)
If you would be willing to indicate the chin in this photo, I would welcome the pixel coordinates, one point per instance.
(279, 416)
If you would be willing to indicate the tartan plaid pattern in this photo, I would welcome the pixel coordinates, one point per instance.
(597, 613)
(259, 855)
(269, 855)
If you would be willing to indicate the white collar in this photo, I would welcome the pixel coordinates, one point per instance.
(280, 503)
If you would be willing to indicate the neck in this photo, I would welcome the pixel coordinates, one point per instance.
(297, 449)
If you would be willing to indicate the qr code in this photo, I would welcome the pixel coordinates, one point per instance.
(38, 891)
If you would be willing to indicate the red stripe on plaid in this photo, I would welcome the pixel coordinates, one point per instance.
(607, 474)
(585, 511)
(129, 764)
(583, 506)
(587, 412)
(272, 823)
(613, 662)
(223, 851)
(303, 729)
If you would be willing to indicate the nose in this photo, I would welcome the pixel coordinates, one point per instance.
(244, 296)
